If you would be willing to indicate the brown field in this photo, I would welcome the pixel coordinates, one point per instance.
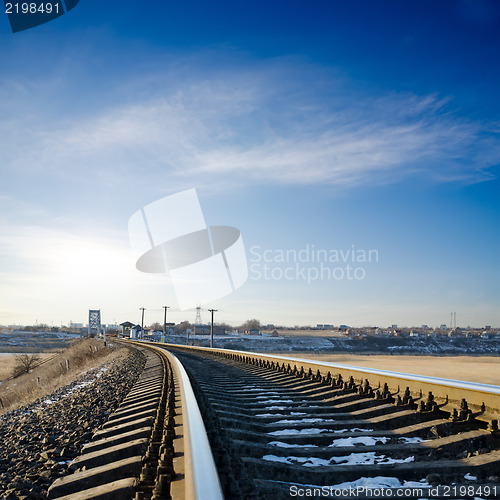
(7, 364)
(57, 372)
(485, 369)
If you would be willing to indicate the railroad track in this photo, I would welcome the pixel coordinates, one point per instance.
(273, 427)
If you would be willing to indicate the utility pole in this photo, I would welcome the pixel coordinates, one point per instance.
(142, 321)
(212, 328)
(165, 323)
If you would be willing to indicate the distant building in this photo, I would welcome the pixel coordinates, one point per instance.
(135, 332)
(202, 329)
(126, 326)
(155, 335)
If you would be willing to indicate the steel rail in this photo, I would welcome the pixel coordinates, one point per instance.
(484, 399)
(201, 480)
(153, 446)
(473, 386)
(238, 388)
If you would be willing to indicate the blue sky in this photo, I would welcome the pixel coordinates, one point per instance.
(325, 124)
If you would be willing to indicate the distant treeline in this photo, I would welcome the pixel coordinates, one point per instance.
(37, 328)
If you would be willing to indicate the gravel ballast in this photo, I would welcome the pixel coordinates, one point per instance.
(38, 441)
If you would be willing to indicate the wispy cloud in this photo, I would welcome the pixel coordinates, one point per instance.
(284, 124)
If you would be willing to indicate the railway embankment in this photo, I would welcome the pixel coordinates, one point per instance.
(39, 440)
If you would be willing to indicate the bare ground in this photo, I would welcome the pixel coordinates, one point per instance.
(57, 372)
(7, 362)
(485, 369)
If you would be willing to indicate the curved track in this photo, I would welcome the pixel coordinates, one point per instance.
(279, 430)
(282, 428)
(153, 447)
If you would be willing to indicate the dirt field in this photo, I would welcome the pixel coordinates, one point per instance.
(485, 369)
(59, 370)
(7, 364)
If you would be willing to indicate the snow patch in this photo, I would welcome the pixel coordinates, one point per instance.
(277, 401)
(354, 429)
(268, 393)
(379, 482)
(411, 440)
(294, 432)
(307, 421)
(280, 444)
(352, 459)
(293, 413)
(370, 458)
(364, 440)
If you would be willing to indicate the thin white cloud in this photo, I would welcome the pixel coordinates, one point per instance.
(262, 125)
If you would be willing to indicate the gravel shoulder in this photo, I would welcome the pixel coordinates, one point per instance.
(39, 440)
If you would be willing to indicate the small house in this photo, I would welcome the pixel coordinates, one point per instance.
(126, 326)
